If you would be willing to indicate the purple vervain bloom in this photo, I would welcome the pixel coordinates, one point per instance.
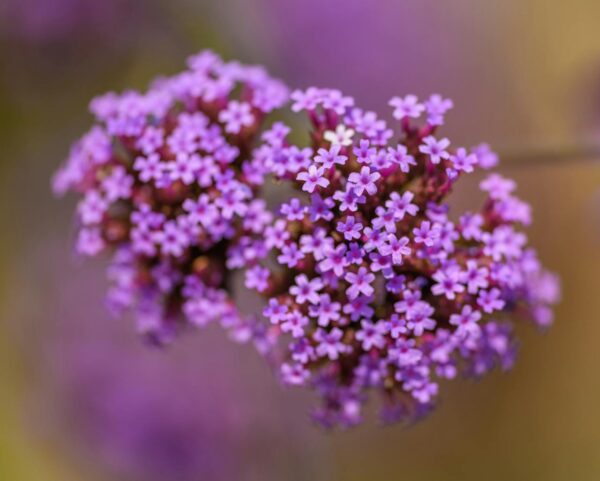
(294, 210)
(236, 116)
(399, 155)
(364, 152)
(436, 149)
(396, 247)
(408, 106)
(166, 186)
(466, 322)
(325, 311)
(491, 300)
(377, 287)
(351, 229)
(426, 234)
(305, 290)
(437, 107)
(328, 158)
(335, 260)
(364, 181)
(257, 278)
(313, 178)
(320, 208)
(449, 282)
(371, 334)
(329, 343)
(360, 283)
(378, 240)
(349, 199)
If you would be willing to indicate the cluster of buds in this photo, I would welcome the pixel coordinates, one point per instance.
(374, 287)
(369, 284)
(169, 186)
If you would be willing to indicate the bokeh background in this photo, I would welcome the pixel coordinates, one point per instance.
(80, 397)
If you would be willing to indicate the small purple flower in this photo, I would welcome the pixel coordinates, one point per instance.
(257, 278)
(320, 208)
(290, 255)
(490, 301)
(497, 186)
(276, 235)
(293, 210)
(295, 323)
(396, 326)
(236, 116)
(371, 335)
(437, 107)
(92, 208)
(470, 226)
(419, 319)
(172, 239)
(275, 311)
(355, 254)
(436, 149)
(331, 157)
(374, 239)
(351, 229)
(302, 351)
(276, 134)
(399, 155)
(396, 247)
(325, 311)
(294, 374)
(466, 322)
(486, 158)
(426, 234)
(462, 161)
(317, 244)
(408, 106)
(359, 308)
(90, 242)
(449, 282)
(349, 199)
(334, 100)
(117, 185)
(364, 181)
(475, 277)
(364, 152)
(305, 100)
(335, 260)
(360, 283)
(313, 178)
(149, 168)
(385, 220)
(404, 353)
(401, 205)
(330, 343)
(305, 290)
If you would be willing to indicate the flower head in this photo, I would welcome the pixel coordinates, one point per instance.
(169, 178)
(390, 294)
(366, 276)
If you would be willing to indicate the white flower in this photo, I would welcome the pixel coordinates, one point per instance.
(341, 136)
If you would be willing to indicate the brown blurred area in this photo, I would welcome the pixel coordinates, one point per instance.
(524, 76)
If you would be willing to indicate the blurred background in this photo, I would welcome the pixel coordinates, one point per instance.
(80, 396)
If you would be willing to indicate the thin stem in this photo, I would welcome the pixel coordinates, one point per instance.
(527, 157)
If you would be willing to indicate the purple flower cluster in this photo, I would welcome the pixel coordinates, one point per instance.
(374, 286)
(370, 284)
(169, 180)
